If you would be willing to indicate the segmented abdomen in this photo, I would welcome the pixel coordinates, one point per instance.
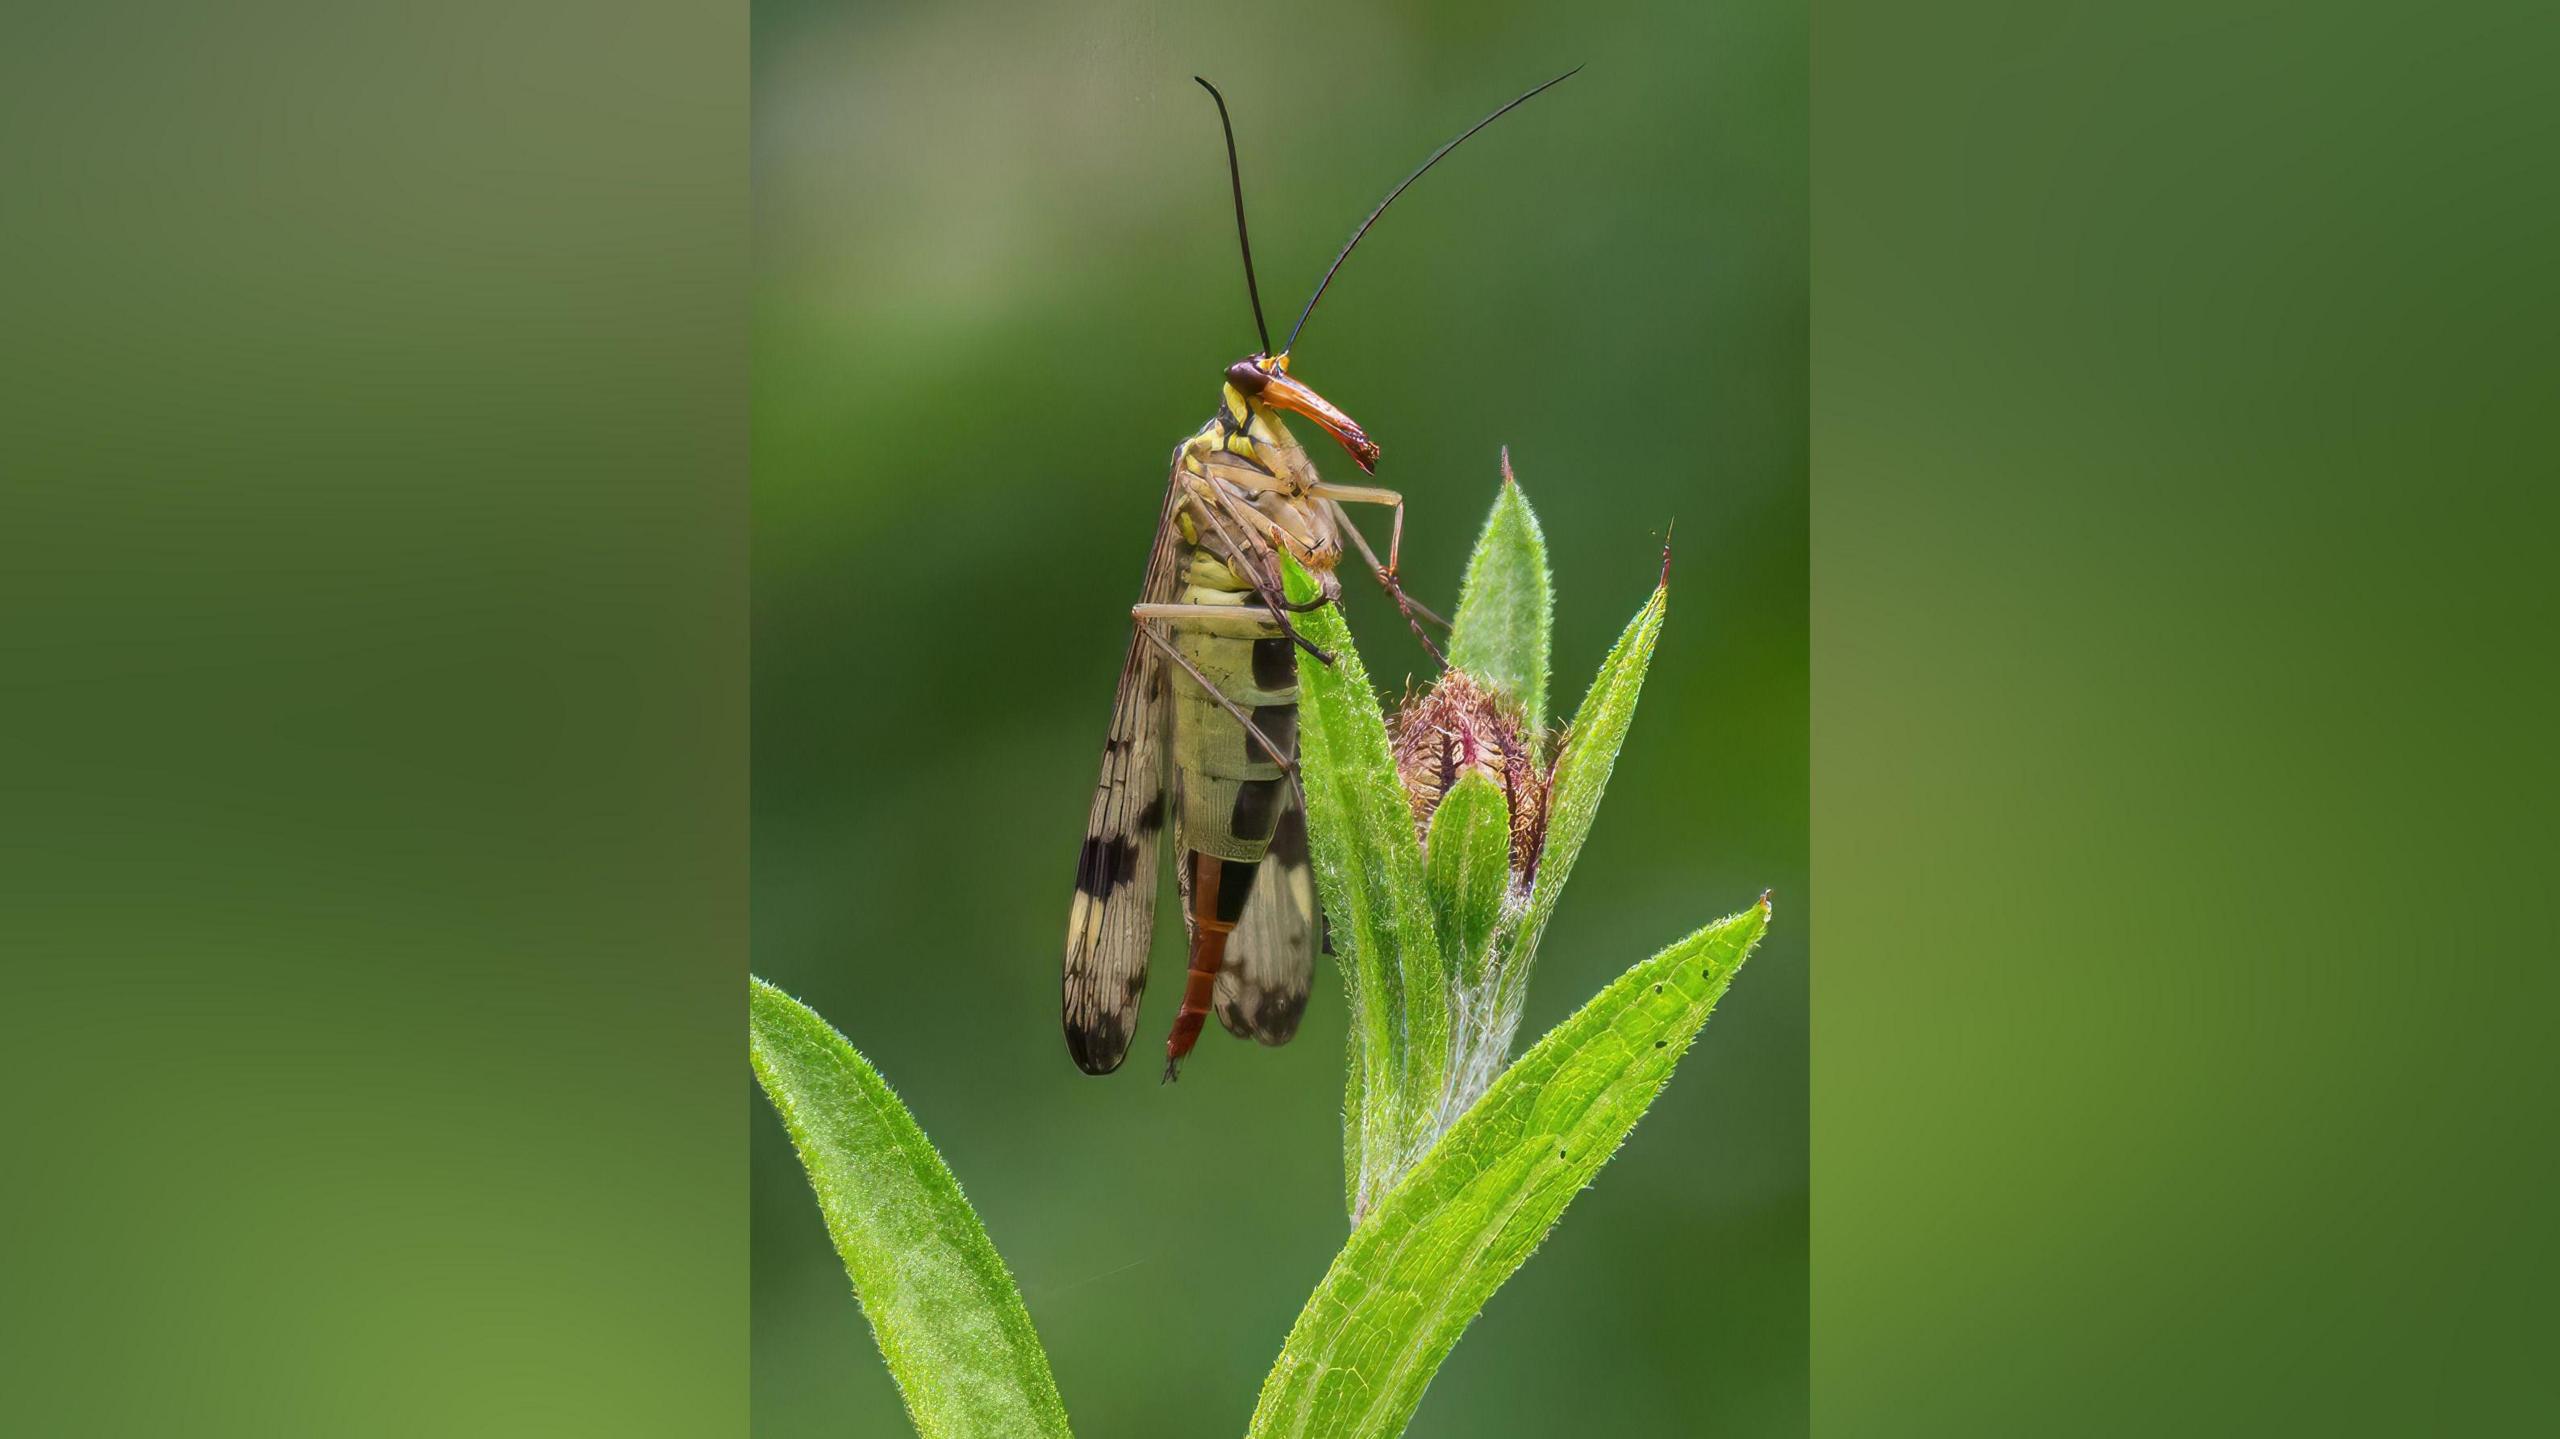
(1231, 789)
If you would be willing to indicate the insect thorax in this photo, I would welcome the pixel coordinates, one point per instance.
(1251, 494)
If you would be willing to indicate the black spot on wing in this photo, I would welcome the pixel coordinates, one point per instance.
(1151, 818)
(1260, 1007)
(1105, 864)
(1100, 1044)
(1277, 1012)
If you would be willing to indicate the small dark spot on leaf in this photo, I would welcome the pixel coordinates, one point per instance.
(1657, 989)
(1660, 1042)
(1559, 1154)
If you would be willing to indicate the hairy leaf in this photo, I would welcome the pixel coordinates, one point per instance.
(1368, 865)
(1582, 766)
(940, 1302)
(1413, 1277)
(1468, 864)
(1506, 605)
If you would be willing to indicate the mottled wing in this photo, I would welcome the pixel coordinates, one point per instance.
(1262, 991)
(1112, 925)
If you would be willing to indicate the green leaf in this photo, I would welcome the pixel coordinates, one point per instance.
(1413, 1277)
(1582, 770)
(1468, 862)
(1506, 605)
(1368, 865)
(940, 1302)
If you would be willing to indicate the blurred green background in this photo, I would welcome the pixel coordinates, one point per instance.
(996, 281)
(373, 614)
(2183, 710)
(375, 513)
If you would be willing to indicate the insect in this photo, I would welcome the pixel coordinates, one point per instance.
(1203, 731)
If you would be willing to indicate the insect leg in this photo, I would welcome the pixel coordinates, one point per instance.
(1266, 582)
(1227, 487)
(1371, 495)
(1211, 502)
(1360, 542)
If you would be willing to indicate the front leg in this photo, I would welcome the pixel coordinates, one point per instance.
(1342, 495)
(1377, 568)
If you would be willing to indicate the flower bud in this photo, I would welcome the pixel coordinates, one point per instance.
(1459, 725)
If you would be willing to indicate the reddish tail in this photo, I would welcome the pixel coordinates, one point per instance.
(1213, 918)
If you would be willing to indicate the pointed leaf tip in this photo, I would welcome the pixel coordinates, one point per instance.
(1506, 604)
(942, 1306)
(1583, 764)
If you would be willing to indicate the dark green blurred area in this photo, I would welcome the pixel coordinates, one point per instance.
(374, 501)
(374, 611)
(996, 282)
(2183, 717)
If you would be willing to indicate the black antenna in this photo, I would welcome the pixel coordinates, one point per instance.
(1235, 179)
(1398, 190)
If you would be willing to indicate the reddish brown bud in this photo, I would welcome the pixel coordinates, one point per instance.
(1458, 725)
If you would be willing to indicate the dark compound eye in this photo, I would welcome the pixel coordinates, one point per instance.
(1247, 377)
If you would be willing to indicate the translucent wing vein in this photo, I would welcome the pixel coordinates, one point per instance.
(1112, 923)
